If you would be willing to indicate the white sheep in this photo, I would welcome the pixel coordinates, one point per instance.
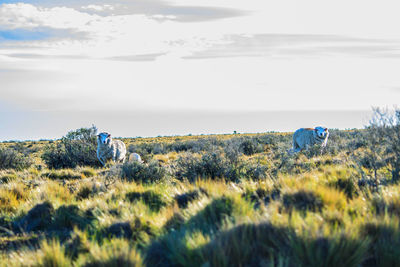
(110, 149)
(135, 157)
(303, 138)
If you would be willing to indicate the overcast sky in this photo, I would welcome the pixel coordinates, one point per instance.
(153, 67)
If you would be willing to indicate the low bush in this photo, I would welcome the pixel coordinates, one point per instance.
(145, 173)
(385, 242)
(152, 199)
(248, 245)
(336, 250)
(77, 148)
(11, 159)
(68, 217)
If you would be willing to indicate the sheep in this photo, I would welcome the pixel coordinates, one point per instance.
(135, 157)
(110, 149)
(303, 138)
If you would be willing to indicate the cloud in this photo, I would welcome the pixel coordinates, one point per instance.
(144, 57)
(98, 7)
(289, 45)
(180, 12)
(14, 16)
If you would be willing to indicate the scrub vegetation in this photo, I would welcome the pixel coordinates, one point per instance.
(210, 200)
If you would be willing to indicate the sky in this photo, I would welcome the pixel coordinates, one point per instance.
(154, 67)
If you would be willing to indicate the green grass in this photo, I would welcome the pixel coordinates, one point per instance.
(221, 200)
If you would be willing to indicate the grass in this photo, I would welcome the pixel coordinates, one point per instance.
(221, 200)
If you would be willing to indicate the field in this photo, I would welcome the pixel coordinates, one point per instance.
(212, 200)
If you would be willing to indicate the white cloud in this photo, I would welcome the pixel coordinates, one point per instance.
(22, 15)
(98, 7)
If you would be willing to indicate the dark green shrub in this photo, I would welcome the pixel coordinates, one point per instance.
(152, 199)
(385, 243)
(38, 218)
(68, 217)
(334, 251)
(249, 245)
(187, 167)
(12, 159)
(77, 148)
(145, 173)
(212, 165)
(249, 147)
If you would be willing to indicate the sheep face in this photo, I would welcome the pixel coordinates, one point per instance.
(104, 138)
(321, 132)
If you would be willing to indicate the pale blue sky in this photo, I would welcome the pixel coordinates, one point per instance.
(194, 66)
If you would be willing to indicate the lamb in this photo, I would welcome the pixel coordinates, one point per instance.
(110, 149)
(135, 157)
(303, 138)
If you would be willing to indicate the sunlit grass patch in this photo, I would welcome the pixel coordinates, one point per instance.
(50, 253)
(9, 201)
(54, 192)
(116, 252)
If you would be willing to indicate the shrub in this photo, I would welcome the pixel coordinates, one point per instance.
(211, 165)
(333, 251)
(187, 167)
(11, 159)
(139, 172)
(248, 245)
(152, 199)
(385, 242)
(38, 218)
(382, 138)
(250, 147)
(68, 217)
(77, 148)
